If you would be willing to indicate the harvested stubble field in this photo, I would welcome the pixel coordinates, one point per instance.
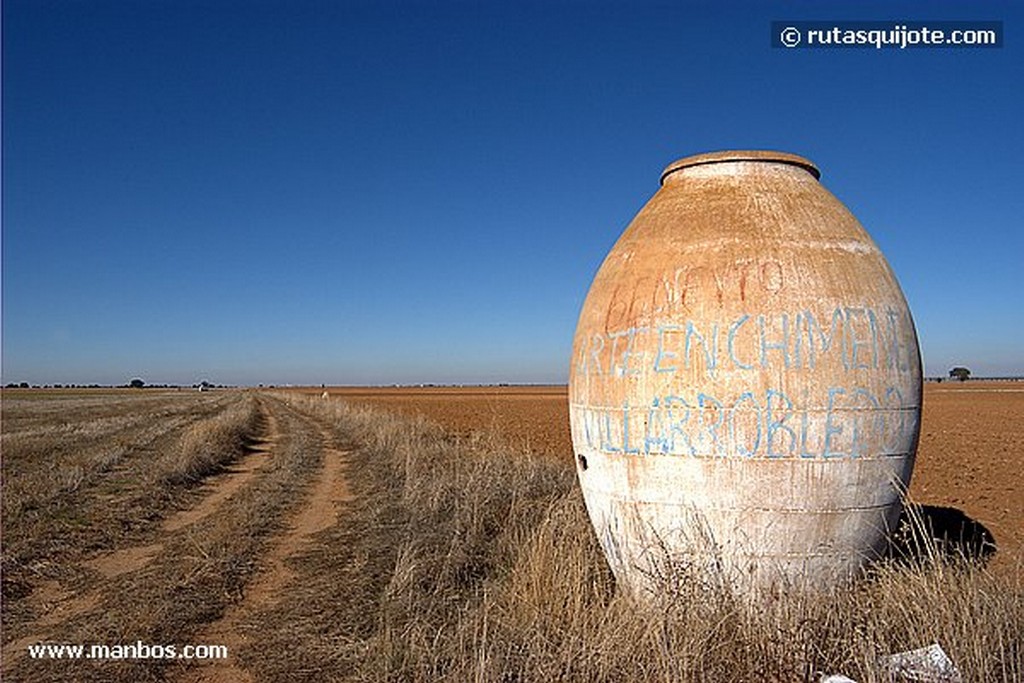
(334, 540)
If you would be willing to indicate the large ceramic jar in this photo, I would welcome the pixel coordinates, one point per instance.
(745, 386)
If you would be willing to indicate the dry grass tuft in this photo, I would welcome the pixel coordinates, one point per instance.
(207, 446)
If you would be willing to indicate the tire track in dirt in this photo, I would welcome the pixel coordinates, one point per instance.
(328, 493)
(59, 606)
(241, 473)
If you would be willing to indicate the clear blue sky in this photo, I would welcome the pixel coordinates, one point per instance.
(373, 192)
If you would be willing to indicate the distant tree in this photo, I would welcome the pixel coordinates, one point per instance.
(960, 373)
(136, 383)
(23, 385)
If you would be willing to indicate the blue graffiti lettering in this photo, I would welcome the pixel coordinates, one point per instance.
(778, 425)
(662, 353)
(733, 329)
(676, 426)
(595, 353)
(831, 428)
(710, 354)
(654, 432)
(854, 344)
(857, 445)
(826, 341)
(711, 428)
(804, 428)
(606, 444)
(625, 430)
(623, 368)
(767, 346)
(741, 448)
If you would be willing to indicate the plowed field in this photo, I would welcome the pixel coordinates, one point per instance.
(971, 455)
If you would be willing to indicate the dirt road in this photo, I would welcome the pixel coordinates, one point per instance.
(199, 571)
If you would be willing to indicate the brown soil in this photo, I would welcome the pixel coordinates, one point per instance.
(971, 457)
(535, 418)
(971, 454)
(123, 561)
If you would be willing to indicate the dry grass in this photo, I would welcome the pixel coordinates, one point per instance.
(82, 483)
(99, 479)
(54, 446)
(459, 559)
(201, 569)
(208, 446)
(464, 561)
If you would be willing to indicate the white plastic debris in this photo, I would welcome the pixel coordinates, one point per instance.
(925, 665)
(837, 678)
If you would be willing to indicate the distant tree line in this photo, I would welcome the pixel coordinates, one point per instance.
(134, 383)
(26, 385)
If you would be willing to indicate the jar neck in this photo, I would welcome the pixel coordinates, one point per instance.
(738, 157)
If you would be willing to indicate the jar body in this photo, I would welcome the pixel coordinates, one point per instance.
(745, 385)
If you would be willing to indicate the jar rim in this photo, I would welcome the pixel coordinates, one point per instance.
(728, 156)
